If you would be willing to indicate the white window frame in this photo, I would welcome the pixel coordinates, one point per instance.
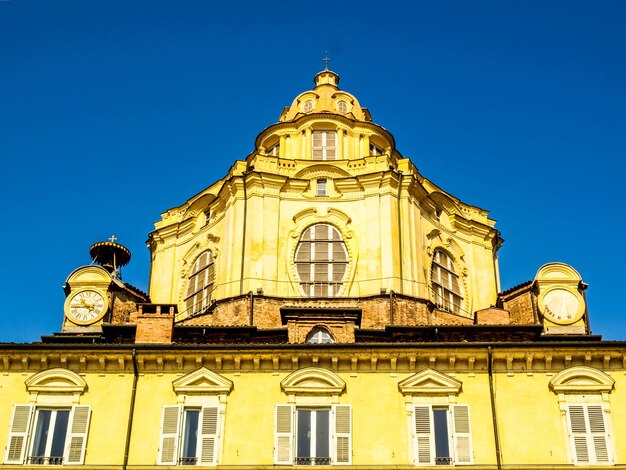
(286, 438)
(199, 298)
(343, 107)
(584, 388)
(375, 150)
(321, 187)
(317, 237)
(320, 335)
(445, 295)
(23, 425)
(588, 434)
(273, 150)
(172, 435)
(327, 149)
(424, 439)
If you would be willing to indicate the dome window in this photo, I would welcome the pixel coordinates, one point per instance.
(307, 106)
(200, 286)
(324, 145)
(445, 283)
(321, 261)
(320, 335)
(343, 107)
(376, 150)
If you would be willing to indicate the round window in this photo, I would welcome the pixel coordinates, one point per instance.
(307, 107)
(342, 106)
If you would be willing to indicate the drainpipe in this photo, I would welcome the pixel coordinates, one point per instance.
(131, 412)
(493, 409)
(391, 315)
(400, 231)
(245, 220)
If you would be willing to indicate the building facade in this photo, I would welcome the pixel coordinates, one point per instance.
(322, 304)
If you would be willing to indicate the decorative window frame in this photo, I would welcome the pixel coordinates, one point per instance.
(203, 389)
(582, 385)
(303, 220)
(313, 388)
(434, 389)
(436, 241)
(56, 388)
(313, 385)
(207, 243)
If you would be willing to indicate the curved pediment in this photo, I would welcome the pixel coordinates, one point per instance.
(557, 272)
(202, 381)
(91, 274)
(581, 380)
(321, 170)
(56, 381)
(313, 381)
(430, 382)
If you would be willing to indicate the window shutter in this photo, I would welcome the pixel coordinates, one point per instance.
(318, 146)
(170, 423)
(578, 433)
(283, 444)
(18, 434)
(330, 145)
(423, 441)
(599, 434)
(76, 440)
(343, 434)
(209, 435)
(462, 435)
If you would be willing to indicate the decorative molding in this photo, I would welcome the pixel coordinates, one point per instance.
(581, 379)
(430, 382)
(313, 381)
(57, 380)
(202, 381)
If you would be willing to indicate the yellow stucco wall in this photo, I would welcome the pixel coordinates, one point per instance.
(531, 426)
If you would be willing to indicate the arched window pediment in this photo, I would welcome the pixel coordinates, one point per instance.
(313, 381)
(430, 382)
(202, 381)
(581, 379)
(56, 381)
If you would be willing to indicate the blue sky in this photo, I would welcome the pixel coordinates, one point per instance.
(112, 112)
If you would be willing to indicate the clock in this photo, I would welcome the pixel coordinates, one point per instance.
(562, 306)
(86, 306)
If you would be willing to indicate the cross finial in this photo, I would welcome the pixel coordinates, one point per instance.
(113, 238)
(326, 60)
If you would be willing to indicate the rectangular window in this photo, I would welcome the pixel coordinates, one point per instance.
(55, 436)
(588, 434)
(441, 435)
(376, 150)
(273, 150)
(189, 436)
(313, 436)
(49, 439)
(324, 145)
(321, 187)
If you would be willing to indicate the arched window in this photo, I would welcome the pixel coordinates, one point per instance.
(320, 335)
(321, 261)
(200, 285)
(445, 283)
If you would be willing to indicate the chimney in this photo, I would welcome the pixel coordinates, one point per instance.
(155, 323)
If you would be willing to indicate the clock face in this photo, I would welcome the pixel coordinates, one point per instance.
(562, 306)
(86, 306)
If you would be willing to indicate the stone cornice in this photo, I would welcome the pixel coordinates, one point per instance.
(527, 358)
